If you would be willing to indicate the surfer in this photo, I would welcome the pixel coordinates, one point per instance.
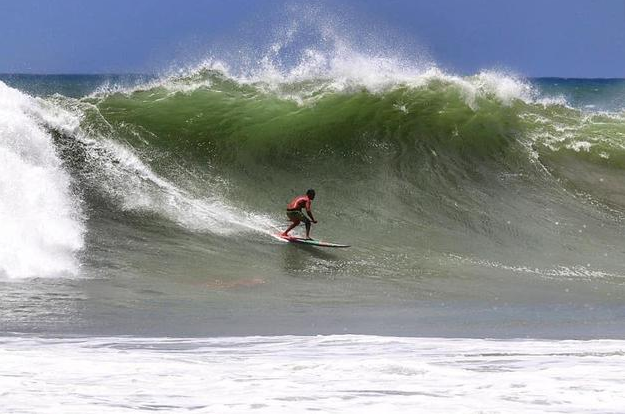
(294, 212)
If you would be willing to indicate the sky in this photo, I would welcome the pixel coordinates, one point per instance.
(563, 38)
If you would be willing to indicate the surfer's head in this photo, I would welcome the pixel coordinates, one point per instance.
(310, 193)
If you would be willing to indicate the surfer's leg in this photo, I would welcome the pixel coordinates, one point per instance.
(293, 217)
(307, 222)
(291, 227)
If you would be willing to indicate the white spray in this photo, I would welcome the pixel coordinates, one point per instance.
(41, 228)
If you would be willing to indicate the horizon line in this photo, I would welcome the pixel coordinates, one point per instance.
(157, 75)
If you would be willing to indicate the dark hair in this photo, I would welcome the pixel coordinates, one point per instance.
(310, 192)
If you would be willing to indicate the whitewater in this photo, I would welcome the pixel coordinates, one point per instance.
(346, 373)
(41, 222)
(138, 269)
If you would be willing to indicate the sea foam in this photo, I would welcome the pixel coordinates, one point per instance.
(293, 374)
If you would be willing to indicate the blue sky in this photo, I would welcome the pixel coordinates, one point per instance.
(568, 38)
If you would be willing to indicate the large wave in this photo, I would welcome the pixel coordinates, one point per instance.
(218, 149)
(308, 112)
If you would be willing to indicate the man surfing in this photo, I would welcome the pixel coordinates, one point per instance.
(294, 212)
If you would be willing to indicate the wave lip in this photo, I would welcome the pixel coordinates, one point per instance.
(40, 218)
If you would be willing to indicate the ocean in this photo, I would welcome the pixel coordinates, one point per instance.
(138, 267)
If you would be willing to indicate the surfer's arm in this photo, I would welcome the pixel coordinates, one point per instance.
(309, 212)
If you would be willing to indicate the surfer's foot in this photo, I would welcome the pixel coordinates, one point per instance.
(284, 234)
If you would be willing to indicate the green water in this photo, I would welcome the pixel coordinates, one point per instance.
(469, 212)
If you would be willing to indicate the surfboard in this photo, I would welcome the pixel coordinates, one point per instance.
(310, 242)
